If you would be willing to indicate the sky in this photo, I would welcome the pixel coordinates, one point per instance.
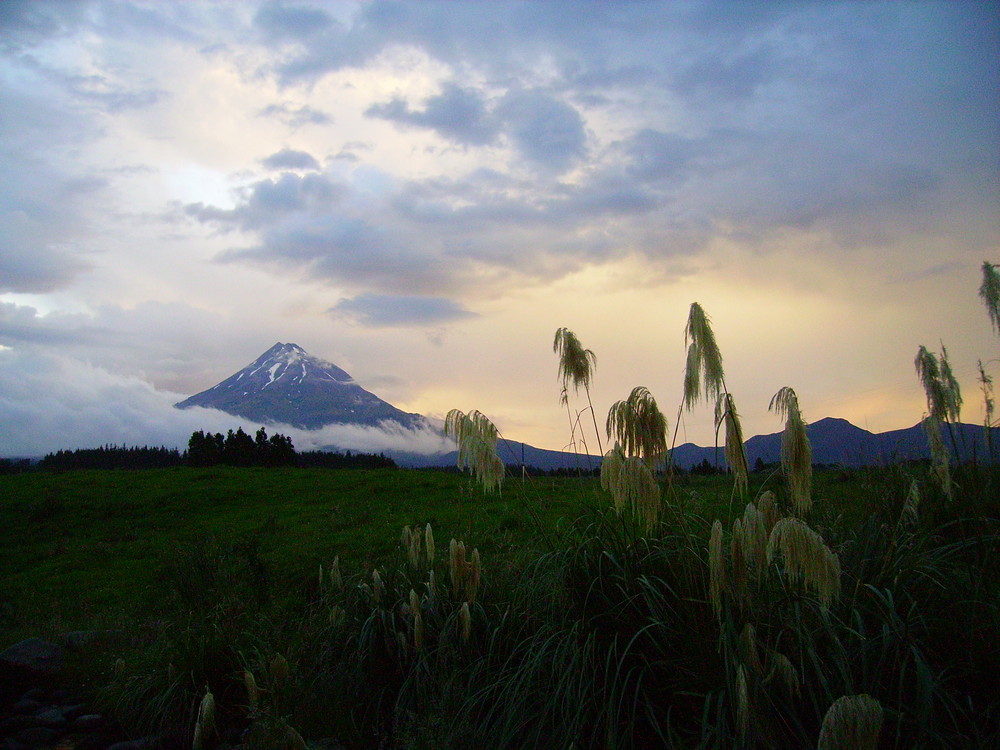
(423, 192)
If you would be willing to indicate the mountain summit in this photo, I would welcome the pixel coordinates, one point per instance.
(287, 385)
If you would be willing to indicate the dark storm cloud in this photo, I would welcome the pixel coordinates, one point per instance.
(290, 159)
(381, 310)
(457, 114)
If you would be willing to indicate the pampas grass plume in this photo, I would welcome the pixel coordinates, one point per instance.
(429, 543)
(807, 558)
(796, 453)
(853, 722)
(253, 692)
(205, 724)
(716, 571)
(465, 621)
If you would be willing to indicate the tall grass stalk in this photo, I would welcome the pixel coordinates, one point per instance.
(638, 426)
(796, 453)
(477, 438)
(576, 367)
(989, 293)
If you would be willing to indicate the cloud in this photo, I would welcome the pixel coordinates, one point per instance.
(290, 159)
(279, 22)
(457, 114)
(548, 132)
(268, 203)
(379, 310)
(296, 116)
(50, 402)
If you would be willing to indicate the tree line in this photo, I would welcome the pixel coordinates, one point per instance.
(235, 448)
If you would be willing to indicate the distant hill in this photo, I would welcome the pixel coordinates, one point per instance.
(837, 441)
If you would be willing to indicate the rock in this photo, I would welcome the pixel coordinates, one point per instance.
(77, 640)
(37, 736)
(51, 717)
(26, 706)
(146, 743)
(13, 724)
(33, 655)
(73, 711)
(87, 723)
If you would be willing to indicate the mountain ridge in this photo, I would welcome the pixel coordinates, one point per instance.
(287, 385)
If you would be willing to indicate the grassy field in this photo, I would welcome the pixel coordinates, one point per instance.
(90, 544)
(586, 626)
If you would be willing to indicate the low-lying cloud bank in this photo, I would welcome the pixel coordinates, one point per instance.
(51, 402)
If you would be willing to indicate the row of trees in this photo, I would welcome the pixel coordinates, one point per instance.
(239, 449)
(113, 457)
(204, 449)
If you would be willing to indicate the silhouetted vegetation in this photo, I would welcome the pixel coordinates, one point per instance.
(112, 457)
(348, 460)
(239, 449)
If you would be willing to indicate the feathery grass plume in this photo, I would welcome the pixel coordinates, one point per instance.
(279, 670)
(633, 486)
(253, 692)
(748, 646)
(735, 452)
(940, 465)
(703, 373)
(429, 543)
(989, 293)
(418, 621)
(337, 615)
(611, 467)
(205, 724)
(807, 558)
(738, 566)
(796, 453)
(953, 393)
(638, 425)
(716, 569)
(767, 504)
(473, 577)
(431, 585)
(321, 578)
(986, 384)
(911, 508)
(476, 437)
(293, 740)
(754, 539)
(944, 398)
(576, 366)
(335, 578)
(853, 722)
(457, 566)
(378, 587)
(783, 669)
(465, 621)
(742, 702)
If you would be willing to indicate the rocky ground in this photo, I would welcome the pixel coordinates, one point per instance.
(39, 712)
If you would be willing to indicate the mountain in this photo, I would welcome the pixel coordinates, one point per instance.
(837, 441)
(286, 385)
